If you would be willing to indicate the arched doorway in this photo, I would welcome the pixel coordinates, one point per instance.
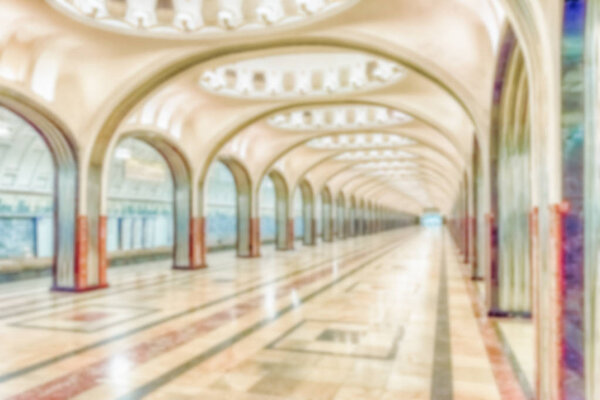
(360, 218)
(140, 204)
(26, 191)
(370, 218)
(507, 233)
(306, 214)
(318, 218)
(352, 218)
(510, 184)
(46, 176)
(327, 212)
(267, 203)
(221, 209)
(341, 215)
(284, 228)
(152, 161)
(248, 234)
(298, 217)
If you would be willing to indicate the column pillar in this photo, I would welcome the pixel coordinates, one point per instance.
(575, 324)
(80, 280)
(197, 245)
(309, 217)
(290, 234)
(331, 223)
(254, 238)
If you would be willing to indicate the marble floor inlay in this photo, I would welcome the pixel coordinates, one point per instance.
(341, 339)
(382, 317)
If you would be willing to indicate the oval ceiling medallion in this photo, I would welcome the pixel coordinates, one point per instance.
(359, 141)
(346, 117)
(302, 73)
(193, 19)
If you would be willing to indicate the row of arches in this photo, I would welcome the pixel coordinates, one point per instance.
(495, 225)
(150, 204)
(526, 218)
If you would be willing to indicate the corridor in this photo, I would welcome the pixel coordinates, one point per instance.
(300, 199)
(391, 318)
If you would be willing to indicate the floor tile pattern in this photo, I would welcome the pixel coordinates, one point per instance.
(382, 317)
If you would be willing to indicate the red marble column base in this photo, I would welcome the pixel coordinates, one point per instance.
(289, 234)
(78, 290)
(197, 245)
(313, 233)
(254, 232)
(492, 283)
(81, 255)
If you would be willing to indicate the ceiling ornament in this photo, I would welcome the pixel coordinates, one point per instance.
(301, 74)
(192, 19)
(359, 141)
(346, 117)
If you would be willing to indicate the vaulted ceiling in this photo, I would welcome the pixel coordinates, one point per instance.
(381, 99)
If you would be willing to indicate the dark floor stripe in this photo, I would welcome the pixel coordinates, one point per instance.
(45, 363)
(441, 381)
(520, 374)
(169, 376)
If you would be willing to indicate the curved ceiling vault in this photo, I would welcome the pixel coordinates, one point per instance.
(362, 118)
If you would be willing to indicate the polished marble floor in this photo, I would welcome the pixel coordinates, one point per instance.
(388, 316)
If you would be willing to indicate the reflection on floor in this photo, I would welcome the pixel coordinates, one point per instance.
(519, 335)
(518, 338)
(388, 316)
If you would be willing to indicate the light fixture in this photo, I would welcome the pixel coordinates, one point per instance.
(302, 73)
(360, 141)
(339, 117)
(195, 19)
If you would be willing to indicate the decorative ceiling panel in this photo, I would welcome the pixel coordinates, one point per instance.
(339, 117)
(303, 73)
(196, 19)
